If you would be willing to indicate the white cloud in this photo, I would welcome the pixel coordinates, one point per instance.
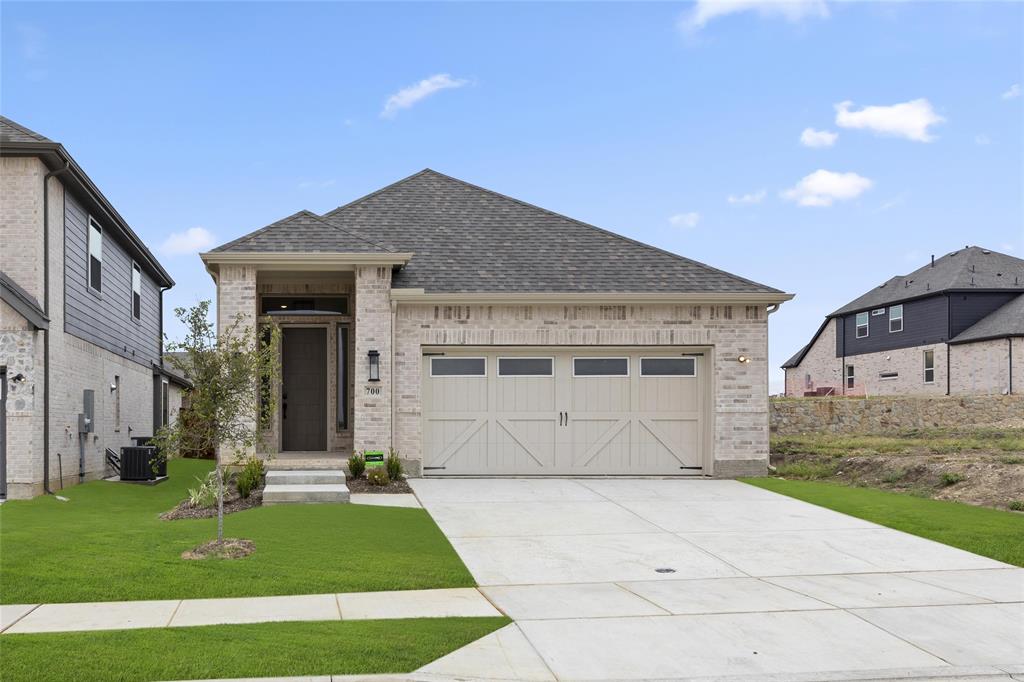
(823, 187)
(982, 139)
(192, 240)
(686, 221)
(1012, 93)
(750, 198)
(908, 119)
(818, 138)
(406, 97)
(704, 11)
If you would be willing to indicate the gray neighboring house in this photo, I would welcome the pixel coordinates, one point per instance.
(954, 326)
(80, 322)
(481, 335)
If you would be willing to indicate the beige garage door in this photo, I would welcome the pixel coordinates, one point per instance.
(518, 412)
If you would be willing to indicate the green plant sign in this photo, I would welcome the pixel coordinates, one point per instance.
(374, 459)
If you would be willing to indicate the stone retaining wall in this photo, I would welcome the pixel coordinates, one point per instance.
(889, 414)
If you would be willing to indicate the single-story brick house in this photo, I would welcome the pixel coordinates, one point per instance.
(481, 335)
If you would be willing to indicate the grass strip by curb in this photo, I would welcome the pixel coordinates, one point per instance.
(224, 651)
(993, 533)
(107, 543)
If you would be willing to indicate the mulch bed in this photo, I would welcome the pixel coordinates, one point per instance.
(232, 503)
(361, 485)
(228, 548)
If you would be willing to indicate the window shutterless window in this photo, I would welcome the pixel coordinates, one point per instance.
(929, 367)
(525, 367)
(600, 367)
(896, 318)
(95, 257)
(849, 376)
(136, 291)
(668, 367)
(862, 325)
(458, 367)
(878, 311)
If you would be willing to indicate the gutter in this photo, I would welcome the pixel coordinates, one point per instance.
(46, 338)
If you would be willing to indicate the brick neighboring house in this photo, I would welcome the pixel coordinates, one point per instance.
(954, 326)
(481, 335)
(81, 311)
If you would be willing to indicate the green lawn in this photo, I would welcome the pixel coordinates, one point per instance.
(989, 532)
(107, 543)
(220, 651)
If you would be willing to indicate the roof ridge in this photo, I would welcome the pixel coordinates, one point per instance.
(593, 227)
(378, 191)
(27, 131)
(339, 228)
(246, 237)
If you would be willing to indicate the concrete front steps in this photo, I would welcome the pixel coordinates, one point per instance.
(305, 486)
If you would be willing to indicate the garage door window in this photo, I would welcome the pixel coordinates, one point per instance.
(668, 367)
(600, 367)
(525, 367)
(458, 367)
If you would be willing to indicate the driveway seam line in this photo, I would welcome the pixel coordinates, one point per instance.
(658, 606)
(174, 612)
(19, 618)
(899, 637)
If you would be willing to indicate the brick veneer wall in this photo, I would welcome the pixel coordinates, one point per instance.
(984, 366)
(820, 362)
(907, 362)
(740, 444)
(372, 399)
(889, 414)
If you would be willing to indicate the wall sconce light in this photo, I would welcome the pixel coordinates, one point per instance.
(374, 358)
(18, 378)
(743, 360)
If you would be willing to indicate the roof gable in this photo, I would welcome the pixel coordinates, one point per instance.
(1007, 320)
(302, 232)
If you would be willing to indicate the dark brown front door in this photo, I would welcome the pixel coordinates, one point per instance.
(304, 389)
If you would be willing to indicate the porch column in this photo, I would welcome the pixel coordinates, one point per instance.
(372, 418)
(236, 298)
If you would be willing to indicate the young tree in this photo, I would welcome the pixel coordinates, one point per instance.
(232, 401)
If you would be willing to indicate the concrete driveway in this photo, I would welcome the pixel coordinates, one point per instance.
(670, 579)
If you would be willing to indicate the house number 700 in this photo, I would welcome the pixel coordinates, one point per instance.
(373, 390)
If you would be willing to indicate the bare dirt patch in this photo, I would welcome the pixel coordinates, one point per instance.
(361, 485)
(980, 466)
(232, 503)
(228, 548)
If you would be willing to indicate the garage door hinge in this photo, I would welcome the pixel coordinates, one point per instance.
(431, 468)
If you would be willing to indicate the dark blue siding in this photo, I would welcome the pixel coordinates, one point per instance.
(966, 309)
(925, 321)
(106, 319)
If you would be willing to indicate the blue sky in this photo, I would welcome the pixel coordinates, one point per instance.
(640, 118)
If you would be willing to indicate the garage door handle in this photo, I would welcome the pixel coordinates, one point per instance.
(561, 415)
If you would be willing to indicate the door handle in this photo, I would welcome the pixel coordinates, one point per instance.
(560, 418)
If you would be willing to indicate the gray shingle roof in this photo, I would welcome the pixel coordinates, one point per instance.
(15, 132)
(969, 268)
(469, 239)
(303, 232)
(1000, 323)
(25, 303)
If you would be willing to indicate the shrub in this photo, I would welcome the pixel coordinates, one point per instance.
(393, 465)
(1012, 460)
(1016, 505)
(249, 477)
(951, 478)
(205, 494)
(356, 464)
(378, 476)
(895, 476)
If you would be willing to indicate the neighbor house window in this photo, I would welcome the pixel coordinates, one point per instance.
(95, 256)
(668, 367)
(878, 311)
(136, 291)
(165, 403)
(862, 325)
(929, 367)
(849, 376)
(896, 318)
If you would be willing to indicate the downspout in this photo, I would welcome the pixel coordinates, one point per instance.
(391, 370)
(774, 307)
(46, 332)
(1009, 353)
(949, 337)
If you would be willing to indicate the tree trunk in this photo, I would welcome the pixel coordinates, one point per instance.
(220, 502)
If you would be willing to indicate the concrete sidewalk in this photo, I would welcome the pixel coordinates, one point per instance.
(445, 603)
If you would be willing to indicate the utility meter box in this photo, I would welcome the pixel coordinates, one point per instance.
(86, 419)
